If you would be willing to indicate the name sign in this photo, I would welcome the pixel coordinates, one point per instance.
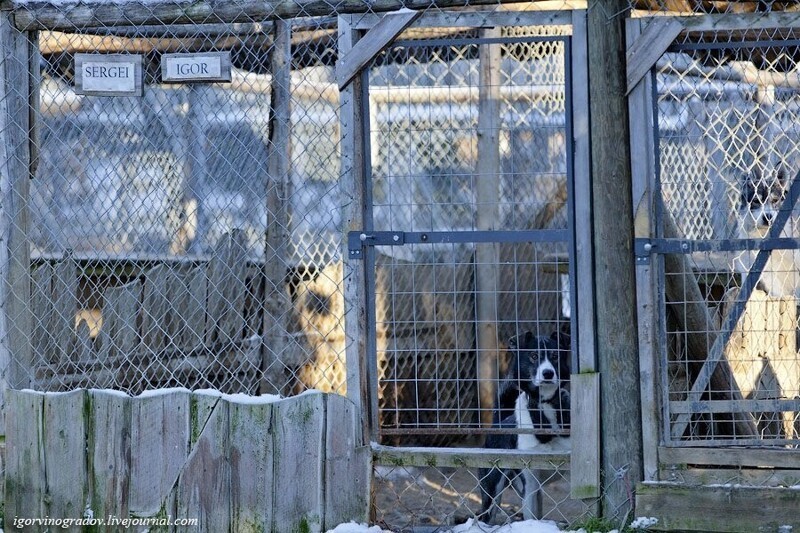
(211, 66)
(108, 74)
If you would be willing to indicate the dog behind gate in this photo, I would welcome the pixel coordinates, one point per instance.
(762, 197)
(532, 396)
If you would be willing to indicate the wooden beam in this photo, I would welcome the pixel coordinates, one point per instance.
(19, 83)
(724, 457)
(461, 20)
(643, 165)
(376, 40)
(649, 46)
(354, 198)
(615, 285)
(30, 16)
(487, 196)
(467, 458)
(726, 508)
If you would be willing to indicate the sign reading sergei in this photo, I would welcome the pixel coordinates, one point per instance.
(108, 74)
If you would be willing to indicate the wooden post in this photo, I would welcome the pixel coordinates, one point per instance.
(354, 199)
(643, 171)
(18, 83)
(487, 256)
(277, 304)
(615, 287)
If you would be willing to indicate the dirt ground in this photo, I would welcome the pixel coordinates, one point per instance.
(407, 499)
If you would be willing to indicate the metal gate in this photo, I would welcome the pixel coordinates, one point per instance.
(471, 236)
(726, 239)
(467, 141)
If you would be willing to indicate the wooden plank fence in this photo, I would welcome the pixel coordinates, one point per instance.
(233, 462)
(195, 324)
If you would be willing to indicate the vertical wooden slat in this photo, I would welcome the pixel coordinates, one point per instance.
(65, 307)
(348, 465)
(353, 198)
(277, 303)
(226, 290)
(110, 453)
(298, 451)
(203, 490)
(643, 175)
(487, 192)
(65, 435)
(18, 83)
(154, 308)
(159, 447)
(41, 309)
(585, 410)
(251, 457)
(25, 483)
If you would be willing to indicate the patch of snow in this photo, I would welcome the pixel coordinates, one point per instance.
(470, 526)
(644, 522)
(110, 392)
(251, 400)
(160, 392)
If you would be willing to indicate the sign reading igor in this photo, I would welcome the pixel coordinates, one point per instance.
(108, 74)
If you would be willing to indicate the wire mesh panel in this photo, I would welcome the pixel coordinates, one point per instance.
(176, 236)
(425, 100)
(728, 158)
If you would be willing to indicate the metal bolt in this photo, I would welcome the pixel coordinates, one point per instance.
(395, 238)
(363, 237)
(684, 246)
(648, 247)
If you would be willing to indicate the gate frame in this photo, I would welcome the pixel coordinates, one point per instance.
(584, 460)
(670, 486)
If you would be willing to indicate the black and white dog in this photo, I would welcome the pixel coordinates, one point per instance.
(533, 396)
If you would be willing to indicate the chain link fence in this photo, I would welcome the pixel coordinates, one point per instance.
(192, 236)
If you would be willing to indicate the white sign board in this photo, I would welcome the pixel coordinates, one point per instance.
(108, 74)
(211, 66)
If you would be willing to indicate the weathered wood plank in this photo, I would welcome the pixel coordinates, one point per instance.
(353, 198)
(640, 109)
(189, 302)
(159, 447)
(585, 430)
(119, 334)
(729, 509)
(487, 193)
(65, 432)
(582, 194)
(377, 39)
(348, 464)
(649, 46)
(739, 457)
(25, 482)
(251, 463)
(203, 489)
(154, 309)
(43, 15)
(17, 81)
(109, 448)
(41, 308)
(226, 286)
(477, 19)
(298, 452)
(467, 457)
(65, 306)
(276, 299)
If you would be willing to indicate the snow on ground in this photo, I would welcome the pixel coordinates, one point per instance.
(471, 526)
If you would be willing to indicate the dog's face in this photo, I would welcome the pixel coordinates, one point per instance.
(761, 200)
(543, 362)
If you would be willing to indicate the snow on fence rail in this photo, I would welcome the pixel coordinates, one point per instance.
(233, 462)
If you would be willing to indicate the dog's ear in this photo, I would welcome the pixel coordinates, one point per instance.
(562, 337)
